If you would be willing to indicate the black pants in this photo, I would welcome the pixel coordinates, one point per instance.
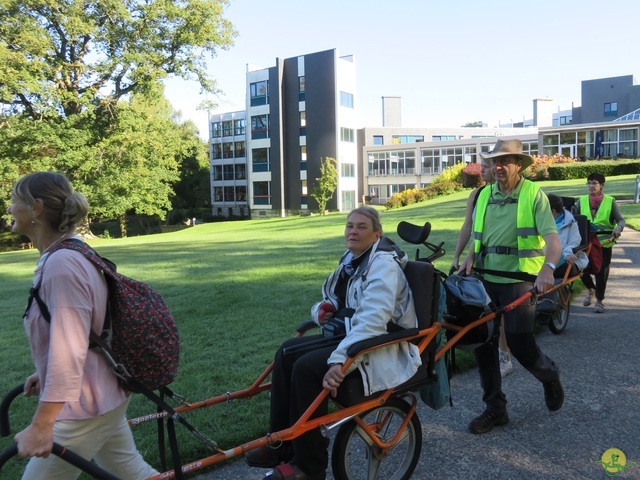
(518, 327)
(602, 276)
(296, 381)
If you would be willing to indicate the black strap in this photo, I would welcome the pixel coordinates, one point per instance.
(525, 277)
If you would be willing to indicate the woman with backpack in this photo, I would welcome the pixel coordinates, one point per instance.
(81, 405)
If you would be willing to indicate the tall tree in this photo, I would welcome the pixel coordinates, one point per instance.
(61, 56)
(325, 185)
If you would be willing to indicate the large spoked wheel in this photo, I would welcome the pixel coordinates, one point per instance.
(356, 457)
(558, 321)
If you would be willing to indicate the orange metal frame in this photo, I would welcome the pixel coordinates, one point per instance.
(304, 423)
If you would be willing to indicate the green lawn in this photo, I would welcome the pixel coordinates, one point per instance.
(237, 289)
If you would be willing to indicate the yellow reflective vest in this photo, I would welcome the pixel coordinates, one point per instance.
(530, 243)
(602, 221)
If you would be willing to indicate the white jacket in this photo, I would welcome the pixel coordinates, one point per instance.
(379, 293)
(570, 238)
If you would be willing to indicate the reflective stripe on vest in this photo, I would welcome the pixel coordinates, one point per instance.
(603, 217)
(530, 243)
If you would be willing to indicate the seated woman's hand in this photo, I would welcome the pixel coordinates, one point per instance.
(325, 313)
(333, 378)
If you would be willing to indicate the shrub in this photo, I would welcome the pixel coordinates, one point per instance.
(471, 176)
(451, 174)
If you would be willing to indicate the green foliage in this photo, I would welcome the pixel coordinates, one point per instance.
(609, 168)
(325, 186)
(129, 165)
(451, 174)
(417, 195)
(64, 57)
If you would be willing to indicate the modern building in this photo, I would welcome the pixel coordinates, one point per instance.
(265, 159)
(606, 99)
(228, 162)
(395, 159)
(298, 113)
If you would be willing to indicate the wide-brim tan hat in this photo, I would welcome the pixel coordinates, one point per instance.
(509, 147)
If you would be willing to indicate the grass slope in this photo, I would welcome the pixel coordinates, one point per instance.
(237, 289)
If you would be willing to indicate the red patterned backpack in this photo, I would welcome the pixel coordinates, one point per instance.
(140, 338)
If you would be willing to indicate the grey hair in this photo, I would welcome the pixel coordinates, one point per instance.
(371, 213)
(64, 209)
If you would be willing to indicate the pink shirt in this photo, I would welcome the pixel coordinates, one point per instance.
(75, 293)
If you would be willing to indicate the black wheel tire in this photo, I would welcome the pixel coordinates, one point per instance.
(352, 458)
(559, 320)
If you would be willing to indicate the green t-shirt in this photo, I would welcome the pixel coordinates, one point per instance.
(500, 230)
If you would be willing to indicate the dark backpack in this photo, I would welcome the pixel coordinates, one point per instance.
(140, 338)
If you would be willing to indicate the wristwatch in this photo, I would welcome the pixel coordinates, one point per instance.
(552, 265)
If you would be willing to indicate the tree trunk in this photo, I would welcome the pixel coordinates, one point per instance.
(122, 219)
(83, 229)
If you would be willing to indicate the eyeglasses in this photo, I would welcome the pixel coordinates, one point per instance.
(593, 183)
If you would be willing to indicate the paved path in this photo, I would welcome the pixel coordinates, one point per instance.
(599, 359)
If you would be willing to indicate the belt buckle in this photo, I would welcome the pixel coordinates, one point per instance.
(501, 250)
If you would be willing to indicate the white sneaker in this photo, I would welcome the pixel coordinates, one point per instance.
(506, 366)
(588, 298)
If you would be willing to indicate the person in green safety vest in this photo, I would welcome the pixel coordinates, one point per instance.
(603, 212)
(513, 232)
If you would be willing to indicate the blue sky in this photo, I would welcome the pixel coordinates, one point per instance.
(452, 62)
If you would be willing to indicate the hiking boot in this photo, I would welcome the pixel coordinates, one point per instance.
(588, 298)
(489, 419)
(553, 395)
(269, 457)
(506, 366)
(599, 308)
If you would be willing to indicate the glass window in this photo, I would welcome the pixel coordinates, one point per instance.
(611, 109)
(347, 135)
(378, 140)
(258, 92)
(397, 139)
(430, 160)
(217, 194)
(348, 200)
(229, 194)
(550, 139)
(217, 150)
(216, 129)
(239, 126)
(303, 152)
(241, 193)
(610, 135)
(239, 150)
(348, 170)
(259, 126)
(241, 171)
(346, 99)
(260, 160)
(628, 134)
(261, 193)
(301, 85)
(228, 172)
(217, 172)
(227, 150)
(568, 138)
(303, 119)
(227, 128)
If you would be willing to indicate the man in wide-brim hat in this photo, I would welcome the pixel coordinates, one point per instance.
(515, 234)
(509, 147)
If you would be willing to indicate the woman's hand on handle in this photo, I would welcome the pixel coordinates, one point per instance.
(333, 378)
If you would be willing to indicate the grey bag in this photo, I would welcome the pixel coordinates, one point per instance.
(467, 301)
